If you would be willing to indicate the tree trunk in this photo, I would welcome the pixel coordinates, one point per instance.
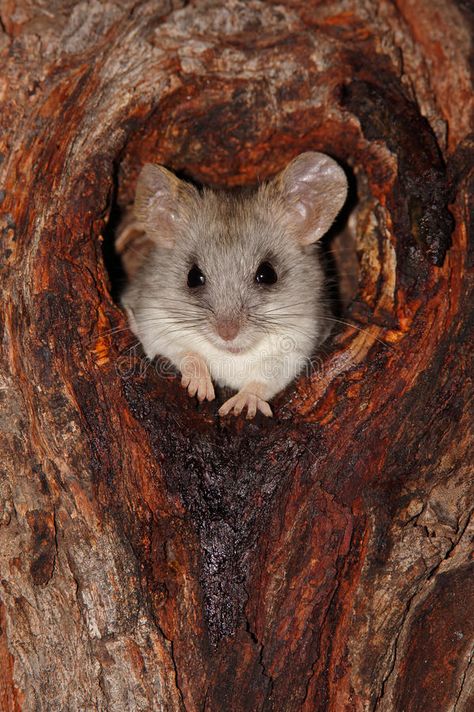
(152, 556)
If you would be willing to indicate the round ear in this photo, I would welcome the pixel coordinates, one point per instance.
(314, 188)
(160, 203)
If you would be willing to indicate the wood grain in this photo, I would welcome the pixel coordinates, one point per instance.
(153, 557)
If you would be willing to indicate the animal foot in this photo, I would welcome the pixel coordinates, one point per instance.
(245, 400)
(196, 379)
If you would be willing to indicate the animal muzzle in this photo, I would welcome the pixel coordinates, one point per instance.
(228, 328)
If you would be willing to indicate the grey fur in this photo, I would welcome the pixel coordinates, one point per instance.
(228, 235)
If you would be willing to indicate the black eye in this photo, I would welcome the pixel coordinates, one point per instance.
(195, 277)
(265, 274)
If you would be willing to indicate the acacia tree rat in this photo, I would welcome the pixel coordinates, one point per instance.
(232, 290)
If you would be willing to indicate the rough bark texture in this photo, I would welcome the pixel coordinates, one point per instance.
(153, 557)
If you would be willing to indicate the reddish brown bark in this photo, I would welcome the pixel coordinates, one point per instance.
(152, 556)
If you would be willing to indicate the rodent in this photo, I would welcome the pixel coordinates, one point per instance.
(233, 290)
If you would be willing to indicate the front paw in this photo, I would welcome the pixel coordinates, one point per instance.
(196, 378)
(200, 386)
(245, 399)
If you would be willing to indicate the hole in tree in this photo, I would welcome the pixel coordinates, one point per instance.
(125, 247)
(339, 255)
(112, 259)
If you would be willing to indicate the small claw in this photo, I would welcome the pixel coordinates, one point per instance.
(238, 408)
(225, 408)
(192, 388)
(265, 408)
(206, 390)
(195, 378)
(247, 400)
(251, 409)
(202, 388)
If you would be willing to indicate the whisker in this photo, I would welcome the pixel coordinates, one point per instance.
(280, 322)
(364, 331)
(292, 304)
(109, 332)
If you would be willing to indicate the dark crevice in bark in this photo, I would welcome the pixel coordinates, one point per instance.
(463, 680)
(393, 655)
(176, 672)
(261, 661)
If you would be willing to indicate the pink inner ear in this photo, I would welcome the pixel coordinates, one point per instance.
(301, 208)
(156, 205)
(316, 187)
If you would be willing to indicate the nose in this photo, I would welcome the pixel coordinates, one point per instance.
(227, 329)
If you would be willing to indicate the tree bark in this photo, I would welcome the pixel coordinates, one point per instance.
(153, 557)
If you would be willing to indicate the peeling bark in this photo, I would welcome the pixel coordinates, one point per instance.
(153, 557)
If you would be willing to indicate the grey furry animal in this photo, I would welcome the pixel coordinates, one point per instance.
(232, 292)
